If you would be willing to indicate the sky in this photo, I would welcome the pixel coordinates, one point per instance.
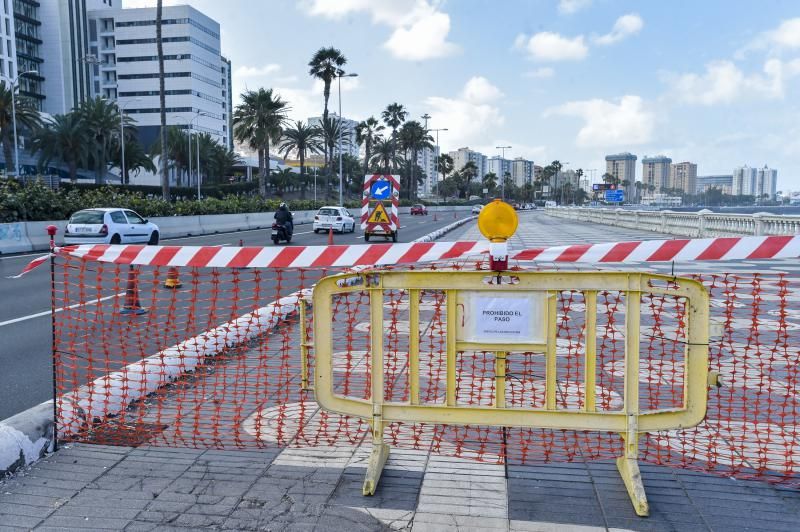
(713, 82)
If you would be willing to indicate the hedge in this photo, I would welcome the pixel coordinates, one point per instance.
(35, 202)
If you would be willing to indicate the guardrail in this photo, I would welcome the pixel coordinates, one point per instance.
(700, 224)
(21, 237)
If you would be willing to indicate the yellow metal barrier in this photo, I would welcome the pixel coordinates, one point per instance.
(511, 313)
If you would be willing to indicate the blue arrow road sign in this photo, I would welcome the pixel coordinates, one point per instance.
(615, 196)
(381, 190)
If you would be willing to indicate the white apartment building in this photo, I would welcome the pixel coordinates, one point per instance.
(499, 167)
(464, 155)
(126, 70)
(744, 181)
(521, 171)
(8, 44)
(766, 183)
(349, 145)
(426, 159)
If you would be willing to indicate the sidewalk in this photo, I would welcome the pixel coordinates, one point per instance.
(121, 488)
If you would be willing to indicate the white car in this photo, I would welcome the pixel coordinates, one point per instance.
(110, 226)
(337, 218)
(476, 209)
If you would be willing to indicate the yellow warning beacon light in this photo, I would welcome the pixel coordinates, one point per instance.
(498, 222)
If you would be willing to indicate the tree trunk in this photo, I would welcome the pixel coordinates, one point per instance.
(366, 157)
(262, 190)
(162, 103)
(267, 168)
(73, 171)
(302, 156)
(326, 94)
(8, 152)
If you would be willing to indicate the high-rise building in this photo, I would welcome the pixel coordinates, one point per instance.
(227, 97)
(537, 172)
(722, 182)
(464, 155)
(426, 159)
(623, 167)
(766, 183)
(683, 176)
(521, 171)
(193, 68)
(498, 166)
(744, 181)
(8, 45)
(349, 145)
(656, 171)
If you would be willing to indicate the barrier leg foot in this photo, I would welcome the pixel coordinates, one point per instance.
(380, 452)
(629, 471)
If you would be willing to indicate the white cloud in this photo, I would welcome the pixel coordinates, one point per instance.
(420, 28)
(787, 35)
(625, 26)
(568, 7)
(548, 46)
(479, 90)
(723, 82)
(470, 117)
(608, 124)
(245, 71)
(540, 73)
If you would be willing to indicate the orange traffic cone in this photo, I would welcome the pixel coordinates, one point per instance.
(132, 305)
(172, 282)
(330, 236)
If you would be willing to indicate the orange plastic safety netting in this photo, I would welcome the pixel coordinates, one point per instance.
(215, 361)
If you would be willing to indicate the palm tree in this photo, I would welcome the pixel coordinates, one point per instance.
(326, 64)
(162, 98)
(394, 115)
(222, 162)
(26, 117)
(490, 182)
(176, 155)
(283, 179)
(468, 173)
(367, 132)
(414, 137)
(101, 119)
(445, 165)
(258, 120)
(301, 139)
(384, 157)
(136, 158)
(63, 139)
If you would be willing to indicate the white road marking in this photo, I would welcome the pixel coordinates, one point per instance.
(47, 312)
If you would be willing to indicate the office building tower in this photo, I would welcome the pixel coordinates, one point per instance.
(683, 176)
(623, 167)
(656, 172)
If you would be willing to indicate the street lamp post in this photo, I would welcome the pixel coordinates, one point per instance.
(14, 84)
(122, 134)
(341, 75)
(503, 178)
(436, 163)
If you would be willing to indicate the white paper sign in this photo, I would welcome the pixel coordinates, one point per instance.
(503, 318)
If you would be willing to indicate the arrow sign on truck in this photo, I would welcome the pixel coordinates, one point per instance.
(380, 190)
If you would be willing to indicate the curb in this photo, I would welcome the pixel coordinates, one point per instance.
(28, 436)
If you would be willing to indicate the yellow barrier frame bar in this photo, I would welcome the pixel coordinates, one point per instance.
(629, 422)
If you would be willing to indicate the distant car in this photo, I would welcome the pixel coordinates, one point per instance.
(110, 226)
(419, 209)
(476, 209)
(516, 206)
(337, 218)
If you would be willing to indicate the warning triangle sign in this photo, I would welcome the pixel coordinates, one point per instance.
(379, 215)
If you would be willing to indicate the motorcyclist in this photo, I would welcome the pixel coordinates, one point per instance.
(284, 216)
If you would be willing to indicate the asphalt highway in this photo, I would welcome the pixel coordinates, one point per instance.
(25, 318)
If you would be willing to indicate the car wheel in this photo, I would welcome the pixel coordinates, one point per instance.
(316, 231)
(116, 239)
(394, 236)
(353, 227)
(153, 239)
(366, 237)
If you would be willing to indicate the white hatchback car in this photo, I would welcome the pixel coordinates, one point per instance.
(110, 226)
(476, 209)
(337, 218)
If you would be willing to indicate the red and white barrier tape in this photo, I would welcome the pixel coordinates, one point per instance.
(683, 250)
(269, 257)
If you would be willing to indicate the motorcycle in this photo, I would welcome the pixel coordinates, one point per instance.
(281, 231)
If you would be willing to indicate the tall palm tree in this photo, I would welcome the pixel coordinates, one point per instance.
(468, 173)
(445, 165)
(367, 132)
(26, 117)
(162, 98)
(257, 121)
(413, 138)
(489, 182)
(383, 157)
(283, 179)
(63, 139)
(176, 155)
(222, 162)
(393, 116)
(326, 64)
(101, 118)
(301, 139)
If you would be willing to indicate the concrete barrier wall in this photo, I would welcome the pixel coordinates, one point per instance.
(21, 237)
